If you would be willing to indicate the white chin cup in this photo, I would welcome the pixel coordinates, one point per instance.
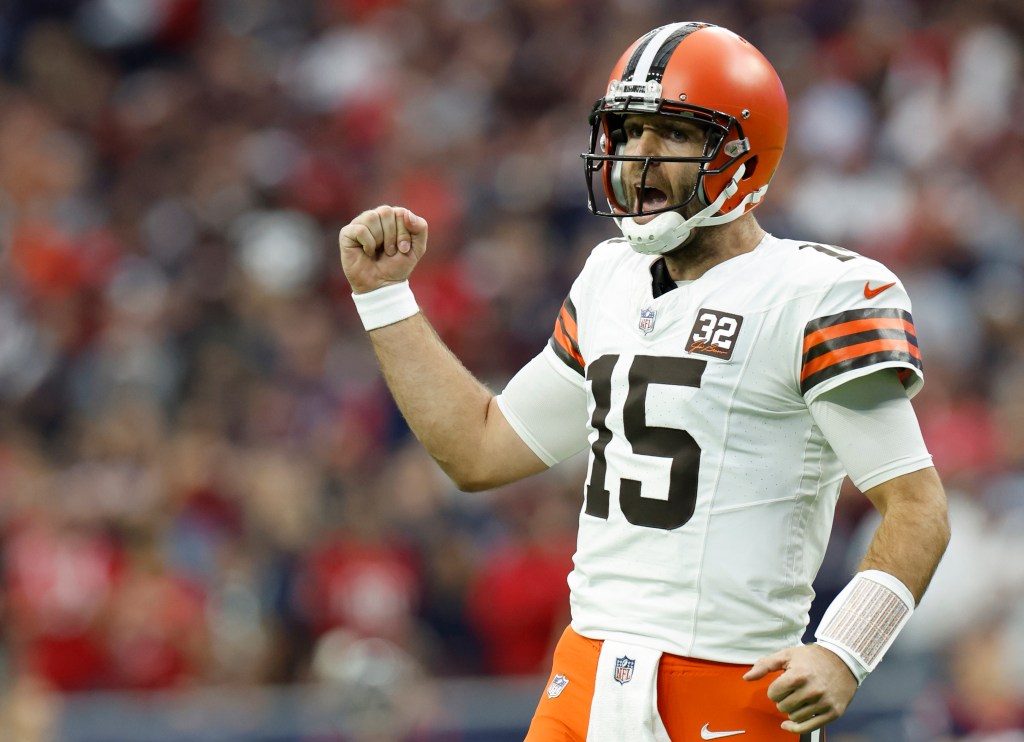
(661, 234)
(669, 230)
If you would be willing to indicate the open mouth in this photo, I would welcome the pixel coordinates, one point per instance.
(650, 199)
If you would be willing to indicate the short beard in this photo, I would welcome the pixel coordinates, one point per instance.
(696, 247)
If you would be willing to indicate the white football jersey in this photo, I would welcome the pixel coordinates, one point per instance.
(710, 493)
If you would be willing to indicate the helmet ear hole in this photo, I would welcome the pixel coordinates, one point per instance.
(613, 126)
(714, 138)
(751, 167)
(615, 176)
(617, 142)
(618, 138)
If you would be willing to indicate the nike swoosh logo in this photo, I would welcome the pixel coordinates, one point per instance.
(870, 293)
(705, 733)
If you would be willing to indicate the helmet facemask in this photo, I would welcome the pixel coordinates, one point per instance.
(607, 143)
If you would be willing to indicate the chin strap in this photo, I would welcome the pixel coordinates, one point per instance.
(668, 230)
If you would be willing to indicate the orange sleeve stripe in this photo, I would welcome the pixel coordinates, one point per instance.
(856, 351)
(570, 324)
(855, 326)
(566, 344)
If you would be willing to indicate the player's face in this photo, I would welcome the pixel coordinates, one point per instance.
(667, 182)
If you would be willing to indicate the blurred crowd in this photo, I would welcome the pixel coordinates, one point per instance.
(203, 480)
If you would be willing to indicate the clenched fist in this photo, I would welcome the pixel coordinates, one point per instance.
(381, 246)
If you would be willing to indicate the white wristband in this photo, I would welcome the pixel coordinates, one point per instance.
(864, 620)
(386, 305)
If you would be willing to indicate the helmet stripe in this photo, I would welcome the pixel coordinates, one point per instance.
(665, 53)
(627, 73)
(671, 34)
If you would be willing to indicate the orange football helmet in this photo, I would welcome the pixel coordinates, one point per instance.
(708, 75)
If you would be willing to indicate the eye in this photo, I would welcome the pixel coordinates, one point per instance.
(634, 130)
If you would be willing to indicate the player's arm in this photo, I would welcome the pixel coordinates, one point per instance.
(455, 416)
(914, 531)
(873, 429)
(821, 679)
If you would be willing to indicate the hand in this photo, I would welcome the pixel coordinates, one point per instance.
(814, 689)
(381, 246)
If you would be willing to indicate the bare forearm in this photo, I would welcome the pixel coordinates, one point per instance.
(914, 531)
(452, 414)
(443, 403)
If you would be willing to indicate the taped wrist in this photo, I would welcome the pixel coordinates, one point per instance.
(864, 620)
(386, 305)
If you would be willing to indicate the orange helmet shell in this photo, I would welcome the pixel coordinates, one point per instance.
(707, 73)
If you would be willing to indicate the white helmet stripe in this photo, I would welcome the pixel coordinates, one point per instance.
(643, 66)
(627, 73)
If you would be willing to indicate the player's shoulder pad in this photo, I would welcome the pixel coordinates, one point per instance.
(820, 261)
(861, 322)
(821, 267)
(611, 257)
(611, 249)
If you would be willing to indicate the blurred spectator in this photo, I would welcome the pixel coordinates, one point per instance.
(156, 631)
(518, 601)
(59, 582)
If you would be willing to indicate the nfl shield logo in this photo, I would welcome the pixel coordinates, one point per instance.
(647, 320)
(558, 684)
(624, 669)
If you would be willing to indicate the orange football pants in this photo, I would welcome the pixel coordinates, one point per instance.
(696, 699)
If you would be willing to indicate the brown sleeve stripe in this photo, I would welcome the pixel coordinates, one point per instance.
(855, 351)
(564, 339)
(901, 326)
(857, 339)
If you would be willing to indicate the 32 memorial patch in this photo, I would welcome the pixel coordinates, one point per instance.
(714, 333)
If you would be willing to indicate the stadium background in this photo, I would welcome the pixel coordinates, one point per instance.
(214, 523)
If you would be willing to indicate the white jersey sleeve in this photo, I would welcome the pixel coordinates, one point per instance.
(871, 426)
(546, 404)
(862, 324)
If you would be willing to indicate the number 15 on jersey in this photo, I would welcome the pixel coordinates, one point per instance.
(674, 444)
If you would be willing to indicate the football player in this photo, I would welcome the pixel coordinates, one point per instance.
(725, 381)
